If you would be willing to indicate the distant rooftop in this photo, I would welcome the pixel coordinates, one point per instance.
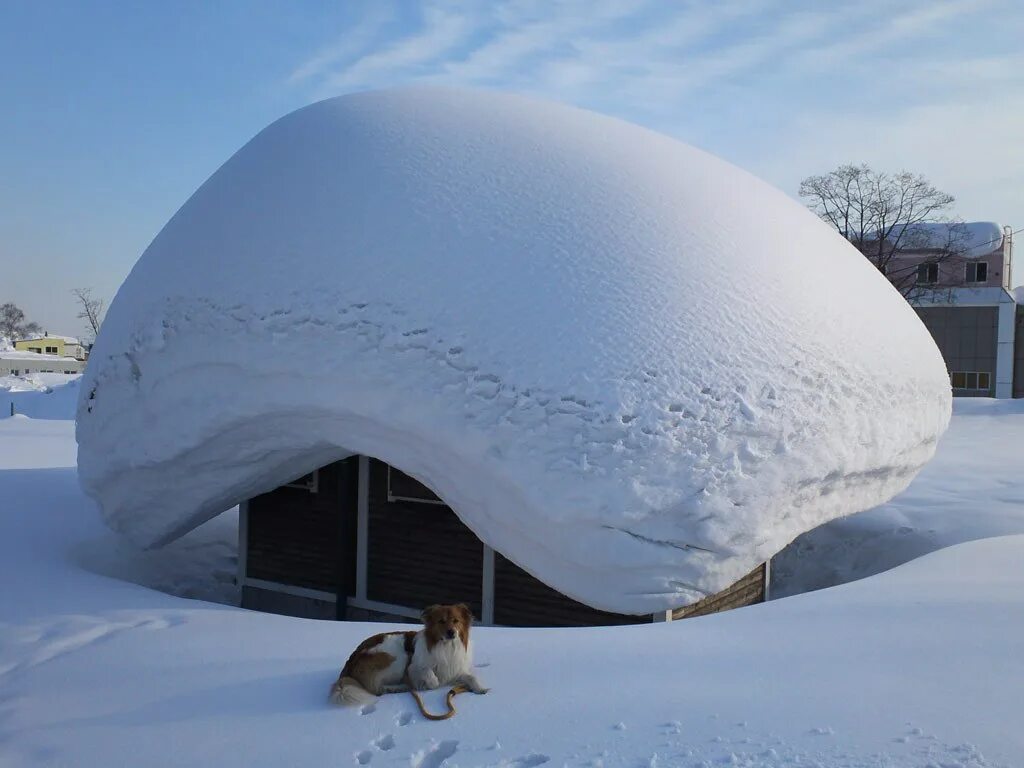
(35, 356)
(974, 238)
(46, 335)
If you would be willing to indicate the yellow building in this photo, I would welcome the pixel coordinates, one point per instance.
(47, 344)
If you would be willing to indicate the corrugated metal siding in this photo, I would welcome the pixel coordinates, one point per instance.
(419, 554)
(1018, 355)
(967, 338)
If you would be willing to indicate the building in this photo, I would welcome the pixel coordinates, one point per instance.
(969, 305)
(51, 344)
(474, 347)
(355, 539)
(20, 363)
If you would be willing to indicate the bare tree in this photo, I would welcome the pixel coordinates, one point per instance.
(13, 325)
(91, 310)
(885, 216)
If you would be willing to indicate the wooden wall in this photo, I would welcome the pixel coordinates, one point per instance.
(306, 539)
(419, 553)
(520, 600)
(746, 591)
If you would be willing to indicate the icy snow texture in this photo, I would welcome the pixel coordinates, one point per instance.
(632, 368)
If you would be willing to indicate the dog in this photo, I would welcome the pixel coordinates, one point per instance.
(394, 662)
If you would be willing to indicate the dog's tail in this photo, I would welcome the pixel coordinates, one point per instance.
(347, 690)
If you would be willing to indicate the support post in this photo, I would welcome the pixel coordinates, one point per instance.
(243, 545)
(487, 598)
(1005, 332)
(362, 527)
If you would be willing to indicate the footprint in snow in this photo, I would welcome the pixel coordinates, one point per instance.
(364, 757)
(403, 719)
(385, 742)
(529, 761)
(435, 755)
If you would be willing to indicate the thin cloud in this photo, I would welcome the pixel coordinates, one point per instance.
(349, 46)
(786, 88)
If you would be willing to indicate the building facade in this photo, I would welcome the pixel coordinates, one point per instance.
(20, 363)
(47, 344)
(360, 540)
(968, 303)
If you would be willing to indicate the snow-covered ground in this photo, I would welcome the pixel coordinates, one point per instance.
(40, 395)
(973, 488)
(919, 666)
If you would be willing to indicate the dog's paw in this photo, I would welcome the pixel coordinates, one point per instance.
(481, 691)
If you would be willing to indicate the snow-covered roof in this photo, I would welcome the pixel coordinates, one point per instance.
(36, 356)
(971, 239)
(542, 313)
(51, 337)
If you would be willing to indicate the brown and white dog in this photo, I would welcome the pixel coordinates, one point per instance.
(435, 656)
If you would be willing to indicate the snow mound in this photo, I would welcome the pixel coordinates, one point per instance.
(630, 367)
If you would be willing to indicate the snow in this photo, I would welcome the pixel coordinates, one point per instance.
(19, 355)
(51, 336)
(40, 395)
(972, 489)
(974, 238)
(919, 666)
(542, 313)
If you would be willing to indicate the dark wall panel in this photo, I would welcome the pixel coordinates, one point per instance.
(520, 600)
(419, 554)
(295, 537)
(967, 338)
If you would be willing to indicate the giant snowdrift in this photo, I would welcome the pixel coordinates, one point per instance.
(632, 368)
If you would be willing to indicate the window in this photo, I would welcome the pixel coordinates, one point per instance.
(928, 274)
(37, 350)
(975, 272)
(51, 350)
(970, 380)
(401, 487)
(310, 482)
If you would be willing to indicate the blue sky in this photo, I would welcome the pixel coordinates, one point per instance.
(113, 113)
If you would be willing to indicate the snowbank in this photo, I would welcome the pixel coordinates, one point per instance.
(917, 667)
(972, 489)
(40, 395)
(544, 314)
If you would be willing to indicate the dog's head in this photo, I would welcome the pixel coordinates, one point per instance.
(446, 623)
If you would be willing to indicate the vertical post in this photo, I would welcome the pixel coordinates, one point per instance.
(243, 545)
(362, 526)
(767, 579)
(487, 598)
(1005, 331)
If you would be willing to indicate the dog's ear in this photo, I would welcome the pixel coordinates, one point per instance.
(428, 612)
(465, 612)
